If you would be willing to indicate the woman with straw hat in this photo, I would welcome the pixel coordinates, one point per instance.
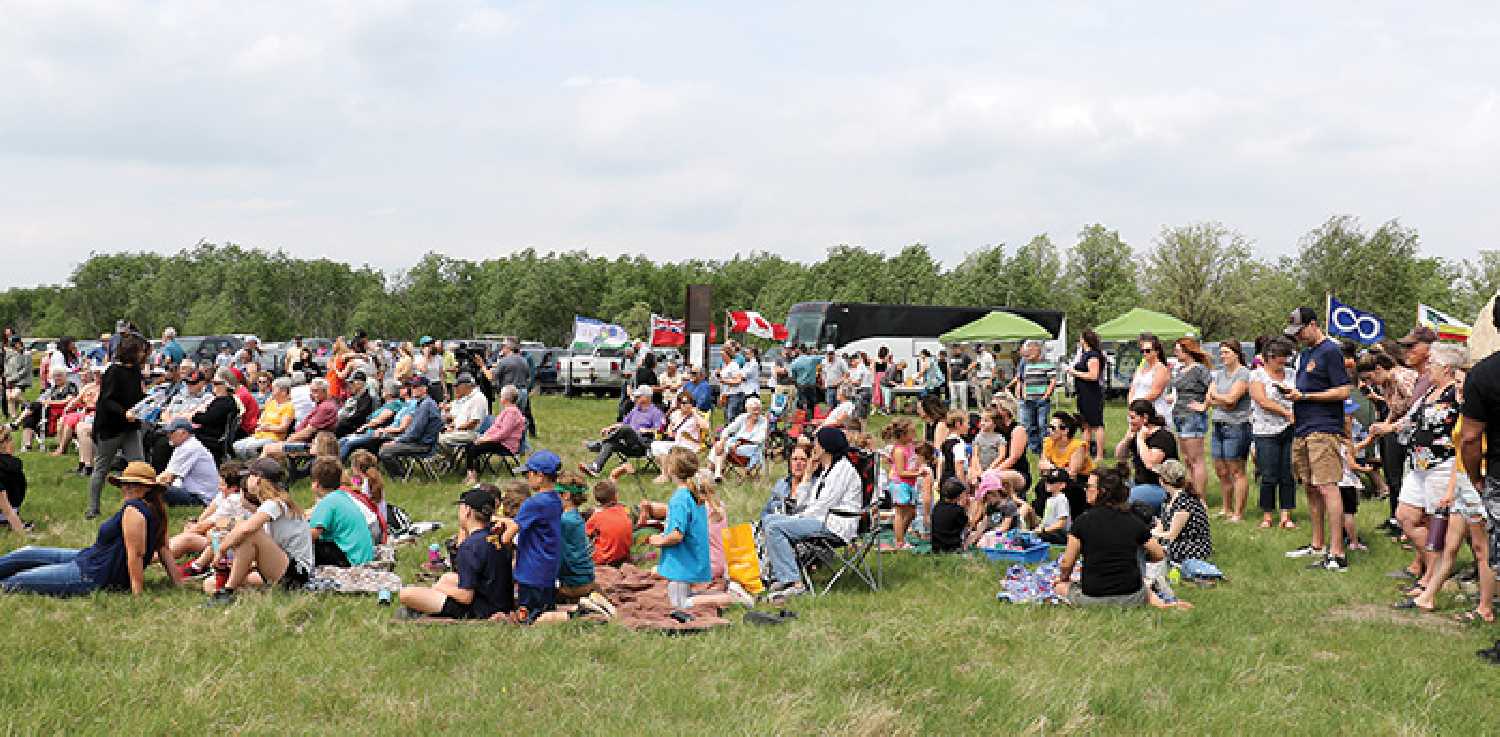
(116, 561)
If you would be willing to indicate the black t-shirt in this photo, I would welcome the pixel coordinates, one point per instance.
(948, 524)
(12, 480)
(957, 367)
(1482, 404)
(1162, 440)
(1111, 537)
(484, 567)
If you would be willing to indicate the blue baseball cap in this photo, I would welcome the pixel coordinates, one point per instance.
(181, 423)
(544, 462)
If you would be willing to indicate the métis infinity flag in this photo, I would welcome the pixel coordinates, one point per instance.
(1355, 324)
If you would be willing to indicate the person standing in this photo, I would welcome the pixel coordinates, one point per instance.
(1088, 383)
(1479, 442)
(116, 430)
(834, 370)
(1190, 410)
(958, 378)
(804, 370)
(1230, 397)
(983, 381)
(1318, 394)
(1271, 424)
(1036, 380)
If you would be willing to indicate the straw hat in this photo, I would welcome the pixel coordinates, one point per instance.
(136, 472)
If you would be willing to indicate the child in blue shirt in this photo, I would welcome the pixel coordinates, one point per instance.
(684, 539)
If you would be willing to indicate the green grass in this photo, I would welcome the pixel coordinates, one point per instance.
(1279, 650)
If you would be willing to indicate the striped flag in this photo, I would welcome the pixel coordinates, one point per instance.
(1446, 327)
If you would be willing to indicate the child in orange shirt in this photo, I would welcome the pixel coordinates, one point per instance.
(610, 526)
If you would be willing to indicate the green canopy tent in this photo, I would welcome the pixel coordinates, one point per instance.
(994, 327)
(1130, 325)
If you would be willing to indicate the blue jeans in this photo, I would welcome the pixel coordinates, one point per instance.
(50, 571)
(780, 532)
(734, 406)
(832, 397)
(350, 443)
(1231, 441)
(807, 399)
(1273, 464)
(176, 496)
(1035, 414)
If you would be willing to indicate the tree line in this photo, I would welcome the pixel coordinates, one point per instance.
(1205, 273)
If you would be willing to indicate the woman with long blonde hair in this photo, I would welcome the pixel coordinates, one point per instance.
(274, 545)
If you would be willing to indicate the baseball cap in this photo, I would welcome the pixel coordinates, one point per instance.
(478, 500)
(1419, 334)
(417, 381)
(464, 378)
(643, 391)
(181, 423)
(1300, 318)
(268, 469)
(544, 462)
(1057, 476)
(424, 340)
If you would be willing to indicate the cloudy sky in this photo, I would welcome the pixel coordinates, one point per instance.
(375, 130)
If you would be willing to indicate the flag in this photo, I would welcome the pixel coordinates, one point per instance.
(750, 321)
(667, 332)
(1355, 324)
(1444, 325)
(589, 333)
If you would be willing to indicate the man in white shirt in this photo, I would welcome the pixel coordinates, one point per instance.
(984, 376)
(834, 370)
(732, 385)
(301, 395)
(466, 413)
(192, 477)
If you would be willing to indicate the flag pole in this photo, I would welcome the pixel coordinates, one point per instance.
(1327, 309)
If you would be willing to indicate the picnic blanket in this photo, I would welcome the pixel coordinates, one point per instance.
(640, 599)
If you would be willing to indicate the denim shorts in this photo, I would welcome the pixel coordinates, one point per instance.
(1231, 441)
(1190, 424)
(903, 493)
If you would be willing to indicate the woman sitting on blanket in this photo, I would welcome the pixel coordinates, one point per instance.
(1110, 537)
(274, 545)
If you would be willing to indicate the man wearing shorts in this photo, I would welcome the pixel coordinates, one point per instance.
(1322, 385)
(1479, 443)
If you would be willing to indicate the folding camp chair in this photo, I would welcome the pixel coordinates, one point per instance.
(48, 427)
(488, 460)
(429, 465)
(851, 556)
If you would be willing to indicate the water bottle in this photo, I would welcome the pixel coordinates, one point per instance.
(214, 538)
(1437, 530)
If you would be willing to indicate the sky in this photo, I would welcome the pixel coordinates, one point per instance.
(373, 131)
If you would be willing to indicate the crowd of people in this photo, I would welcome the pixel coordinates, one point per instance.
(1406, 421)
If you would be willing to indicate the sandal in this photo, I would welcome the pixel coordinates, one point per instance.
(1413, 591)
(1265, 524)
(1288, 525)
(1410, 602)
(1474, 617)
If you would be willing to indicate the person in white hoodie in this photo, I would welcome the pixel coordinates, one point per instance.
(829, 498)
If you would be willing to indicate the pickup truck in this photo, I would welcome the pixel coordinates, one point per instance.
(601, 371)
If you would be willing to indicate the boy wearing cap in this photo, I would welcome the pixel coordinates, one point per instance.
(1057, 514)
(481, 586)
(539, 541)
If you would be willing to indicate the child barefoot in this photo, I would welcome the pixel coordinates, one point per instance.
(905, 472)
(925, 475)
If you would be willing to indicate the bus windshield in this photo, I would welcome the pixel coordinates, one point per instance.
(805, 327)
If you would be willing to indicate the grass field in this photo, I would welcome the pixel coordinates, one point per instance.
(1278, 650)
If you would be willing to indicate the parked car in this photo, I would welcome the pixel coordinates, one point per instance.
(39, 348)
(546, 361)
(205, 348)
(602, 371)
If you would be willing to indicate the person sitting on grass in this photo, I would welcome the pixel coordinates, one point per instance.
(368, 488)
(339, 533)
(1183, 526)
(277, 416)
(116, 561)
(630, 435)
(1147, 443)
(1057, 514)
(949, 519)
(481, 586)
(996, 505)
(609, 527)
(744, 438)
(539, 541)
(227, 508)
(575, 573)
(192, 477)
(273, 546)
(12, 485)
(684, 540)
(1110, 537)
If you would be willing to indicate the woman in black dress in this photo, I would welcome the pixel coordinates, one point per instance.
(1088, 384)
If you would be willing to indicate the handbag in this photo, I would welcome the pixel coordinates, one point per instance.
(742, 565)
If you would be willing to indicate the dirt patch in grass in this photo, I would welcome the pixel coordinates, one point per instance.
(1378, 614)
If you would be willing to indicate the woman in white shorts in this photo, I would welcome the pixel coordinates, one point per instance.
(685, 427)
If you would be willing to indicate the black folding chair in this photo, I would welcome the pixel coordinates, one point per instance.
(827, 550)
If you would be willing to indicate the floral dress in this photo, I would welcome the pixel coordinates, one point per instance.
(1432, 434)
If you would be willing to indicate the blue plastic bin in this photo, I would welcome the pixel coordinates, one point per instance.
(1032, 554)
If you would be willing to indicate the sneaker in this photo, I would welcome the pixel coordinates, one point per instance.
(589, 606)
(592, 446)
(741, 595)
(221, 598)
(1304, 552)
(589, 470)
(795, 589)
(1335, 563)
(191, 570)
(602, 602)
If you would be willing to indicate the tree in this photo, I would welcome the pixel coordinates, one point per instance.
(1379, 271)
(1200, 273)
(975, 281)
(1033, 277)
(1101, 277)
(1478, 280)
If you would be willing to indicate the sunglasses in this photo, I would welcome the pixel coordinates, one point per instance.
(1148, 350)
(1058, 427)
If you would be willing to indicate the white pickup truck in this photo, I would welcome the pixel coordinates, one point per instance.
(601, 372)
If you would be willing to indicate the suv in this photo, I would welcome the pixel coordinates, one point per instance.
(546, 361)
(205, 348)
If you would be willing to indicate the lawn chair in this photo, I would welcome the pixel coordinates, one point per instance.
(48, 427)
(490, 458)
(429, 465)
(828, 550)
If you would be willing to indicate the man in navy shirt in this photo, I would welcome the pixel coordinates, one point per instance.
(421, 435)
(1322, 385)
(539, 539)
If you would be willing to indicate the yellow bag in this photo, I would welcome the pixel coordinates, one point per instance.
(739, 557)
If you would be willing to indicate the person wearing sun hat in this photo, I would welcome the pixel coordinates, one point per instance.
(117, 559)
(480, 584)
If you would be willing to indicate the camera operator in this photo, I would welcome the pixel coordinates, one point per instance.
(471, 360)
